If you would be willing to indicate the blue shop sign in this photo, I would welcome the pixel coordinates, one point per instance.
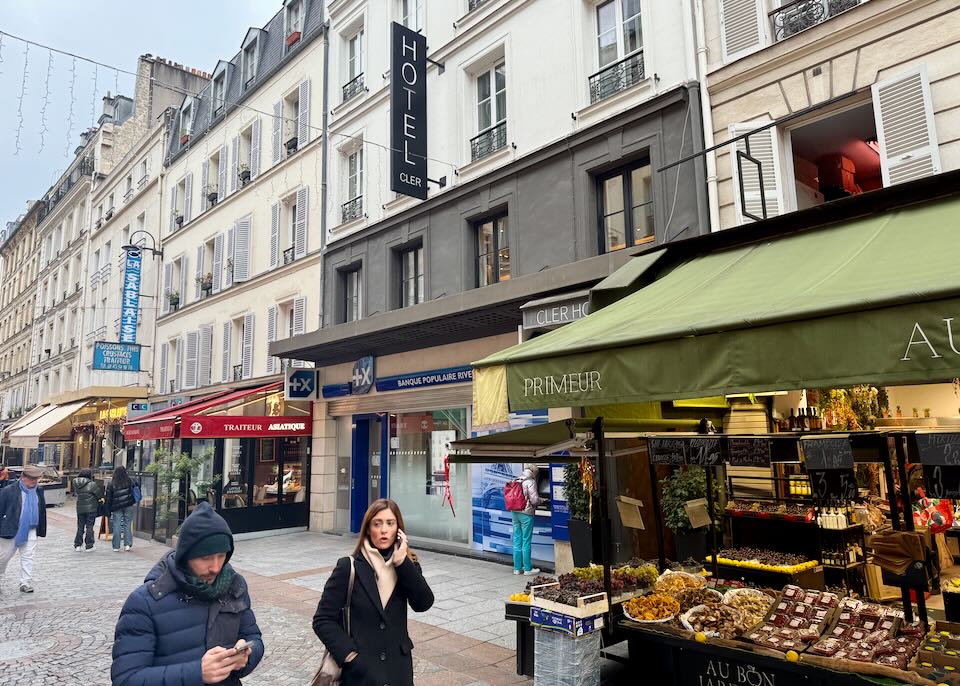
(116, 357)
(336, 390)
(432, 377)
(129, 310)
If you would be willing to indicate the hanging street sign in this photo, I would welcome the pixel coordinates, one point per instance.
(116, 357)
(130, 303)
(408, 112)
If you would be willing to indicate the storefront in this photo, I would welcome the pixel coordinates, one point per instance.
(248, 452)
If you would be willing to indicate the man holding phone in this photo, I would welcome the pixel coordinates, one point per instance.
(191, 622)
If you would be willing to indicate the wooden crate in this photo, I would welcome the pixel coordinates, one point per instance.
(878, 591)
(587, 606)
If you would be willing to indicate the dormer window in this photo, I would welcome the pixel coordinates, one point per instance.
(250, 62)
(186, 122)
(294, 21)
(219, 93)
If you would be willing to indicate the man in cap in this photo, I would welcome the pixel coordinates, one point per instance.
(23, 519)
(191, 621)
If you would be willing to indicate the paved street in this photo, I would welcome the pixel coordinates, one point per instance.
(62, 634)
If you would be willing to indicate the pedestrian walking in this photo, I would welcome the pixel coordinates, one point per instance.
(121, 502)
(89, 498)
(523, 523)
(4, 475)
(23, 519)
(191, 621)
(364, 626)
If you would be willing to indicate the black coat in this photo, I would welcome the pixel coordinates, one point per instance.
(89, 494)
(10, 511)
(120, 498)
(379, 636)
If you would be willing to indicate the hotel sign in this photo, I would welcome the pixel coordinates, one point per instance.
(131, 296)
(408, 112)
(546, 315)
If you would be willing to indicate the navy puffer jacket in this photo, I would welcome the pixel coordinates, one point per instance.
(162, 634)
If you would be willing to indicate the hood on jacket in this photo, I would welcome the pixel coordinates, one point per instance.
(530, 472)
(81, 481)
(202, 522)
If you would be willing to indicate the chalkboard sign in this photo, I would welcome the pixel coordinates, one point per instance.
(671, 451)
(704, 452)
(833, 484)
(939, 449)
(748, 452)
(827, 453)
(940, 481)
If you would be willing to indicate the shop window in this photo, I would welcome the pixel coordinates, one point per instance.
(202, 484)
(351, 293)
(493, 251)
(411, 276)
(626, 207)
(278, 470)
(235, 474)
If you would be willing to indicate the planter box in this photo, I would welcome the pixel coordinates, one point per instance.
(293, 38)
(184, 139)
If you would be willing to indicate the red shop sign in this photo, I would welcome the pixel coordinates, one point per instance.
(243, 427)
(150, 430)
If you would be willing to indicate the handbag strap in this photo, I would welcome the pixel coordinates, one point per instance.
(346, 607)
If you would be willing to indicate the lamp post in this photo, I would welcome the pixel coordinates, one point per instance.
(132, 246)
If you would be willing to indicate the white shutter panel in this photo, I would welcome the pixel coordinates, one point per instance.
(204, 181)
(193, 349)
(222, 173)
(277, 129)
(164, 351)
(225, 356)
(764, 146)
(173, 209)
(741, 27)
(255, 149)
(271, 337)
(187, 197)
(300, 227)
(905, 127)
(217, 266)
(299, 315)
(167, 285)
(241, 251)
(178, 370)
(228, 273)
(246, 358)
(236, 164)
(274, 235)
(183, 281)
(303, 118)
(199, 277)
(203, 364)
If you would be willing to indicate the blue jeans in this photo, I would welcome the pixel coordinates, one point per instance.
(121, 522)
(522, 540)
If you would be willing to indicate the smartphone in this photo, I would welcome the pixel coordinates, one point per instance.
(243, 645)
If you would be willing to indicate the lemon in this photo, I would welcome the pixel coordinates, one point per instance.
(792, 656)
(700, 637)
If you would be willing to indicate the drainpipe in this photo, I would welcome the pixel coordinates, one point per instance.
(713, 198)
(324, 142)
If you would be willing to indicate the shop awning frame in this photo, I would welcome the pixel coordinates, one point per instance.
(30, 435)
(25, 419)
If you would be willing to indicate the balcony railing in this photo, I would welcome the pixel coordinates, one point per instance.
(616, 77)
(352, 209)
(128, 195)
(474, 4)
(800, 15)
(288, 256)
(353, 87)
(238, 372)
(489, 141)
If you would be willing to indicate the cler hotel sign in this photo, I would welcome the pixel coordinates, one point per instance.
(408, 112)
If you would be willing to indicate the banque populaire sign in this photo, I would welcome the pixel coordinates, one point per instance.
(408, 112)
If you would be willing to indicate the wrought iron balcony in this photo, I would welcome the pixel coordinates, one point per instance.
(474, 4)
(353, 88)
(489, 141)
(238, 372)
(288, 256)
(128, 195)
(616, 77)
(352, 209)
(800, 15)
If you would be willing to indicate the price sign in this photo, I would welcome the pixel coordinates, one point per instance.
(748, 452)
(833, 484)
(827, 453)
(671, 451)
(704, 452)
(940, 457)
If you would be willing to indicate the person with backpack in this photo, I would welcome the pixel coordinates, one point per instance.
(122, 495)
(522, 499)
(89, 496)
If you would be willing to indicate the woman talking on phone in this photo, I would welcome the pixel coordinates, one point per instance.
(362, 614)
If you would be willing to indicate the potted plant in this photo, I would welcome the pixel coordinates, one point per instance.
(293, 38)
(291, 145)
(210, 190)
(684, 484)
(178, 219)
(173, 297)
(173, 493)
(184, 137)
(109, 214)
(243, 171)
(205, 282)
(584, 539)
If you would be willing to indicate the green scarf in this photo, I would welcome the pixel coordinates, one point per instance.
(198, 588)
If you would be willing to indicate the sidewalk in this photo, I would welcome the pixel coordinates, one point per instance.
(63, 633)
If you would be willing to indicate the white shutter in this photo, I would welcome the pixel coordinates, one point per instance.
(271, 337)
(228, 272)
(217, 266)
(183, 281)
(277, 129)
(173, 209)
(164, 351)
(764, 146)
(741, 27)
(905, 127)
(222, 173)
(246, 355)
(299, 315)
(199, 277)
(241, 251)
(204, 180)
(187, 197)
(167, 285)
(178, 370)
(303, 117)
(193, 349)
(203, 364)
(255, 149)
(274, 235)
(300, 227)
(236, 164)
(225, 356)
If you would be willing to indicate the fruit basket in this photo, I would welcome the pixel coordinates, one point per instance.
(715, 621)
(753, 604)
(658, 608)
(672, 582)
(586, 605)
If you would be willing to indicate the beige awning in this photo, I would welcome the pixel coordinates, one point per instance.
(38, 411)
(52, 425)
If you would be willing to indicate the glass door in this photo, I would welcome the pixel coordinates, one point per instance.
(344, 471)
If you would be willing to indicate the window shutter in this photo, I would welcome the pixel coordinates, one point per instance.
(204, 181)
(196, 290)
(222, 173)
(274, 235)
(178, 370)
(241, 251)
(225, 356)
(187, 197)
(173, 209)
(217, 267)
(255, 149)
(163, 368)
(236, 164)
(228, 272)
(167, 285)
(299, 315)
(300, 227)
(741, 27)
(764, 146)
(247, 353)
(277, 128)
(183, 281)
(203, 365)
(271, 337)
(303, 119)
(190, 370)
(905, 127)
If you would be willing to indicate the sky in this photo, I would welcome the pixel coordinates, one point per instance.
(195, 33)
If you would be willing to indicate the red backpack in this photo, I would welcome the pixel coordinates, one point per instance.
(514, 499)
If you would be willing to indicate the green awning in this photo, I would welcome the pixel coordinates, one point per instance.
(625, 280)
(869, 301)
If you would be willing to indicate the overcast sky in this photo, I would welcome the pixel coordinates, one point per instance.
(192, 32)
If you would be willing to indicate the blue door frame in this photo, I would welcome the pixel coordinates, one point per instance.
(360, 464)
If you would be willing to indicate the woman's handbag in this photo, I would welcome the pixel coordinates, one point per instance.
(328, 674)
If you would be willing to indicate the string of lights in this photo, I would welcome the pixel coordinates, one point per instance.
(46, 101)
(23, 93)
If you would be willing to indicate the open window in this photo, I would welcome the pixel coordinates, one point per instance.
(291, 117)
(293, 22)
(250, 57)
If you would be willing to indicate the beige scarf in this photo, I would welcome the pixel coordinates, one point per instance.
(383, 570)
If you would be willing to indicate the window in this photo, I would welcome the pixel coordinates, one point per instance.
(491, 112)
(353, 207)
(186, 119)
(626, 207)
(291, 117)
(411, 276)
(219, 89)
(411, 14)
(129, 192)
(493, 251)
(619, 48)
(294, 20)
(143, 172)
(250, 63)
(351, 295)
(354, 77)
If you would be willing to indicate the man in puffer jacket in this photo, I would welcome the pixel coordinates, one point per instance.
(188, 624)
(89, 496)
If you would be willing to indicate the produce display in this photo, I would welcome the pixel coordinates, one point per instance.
(763, 560)
(691, 597)
(564, 596)
(938, 658)
(715, 619)
(540, 581)
(674, 582)
(755, 508)
(520, 598)
(752, 604)
(797, 619)
(656, 607)
(865, 632)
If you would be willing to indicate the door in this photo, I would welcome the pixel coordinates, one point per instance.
(368, 480)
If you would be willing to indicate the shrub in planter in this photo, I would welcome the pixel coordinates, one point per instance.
(685, 483)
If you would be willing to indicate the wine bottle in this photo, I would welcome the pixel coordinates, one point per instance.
(792, 421)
